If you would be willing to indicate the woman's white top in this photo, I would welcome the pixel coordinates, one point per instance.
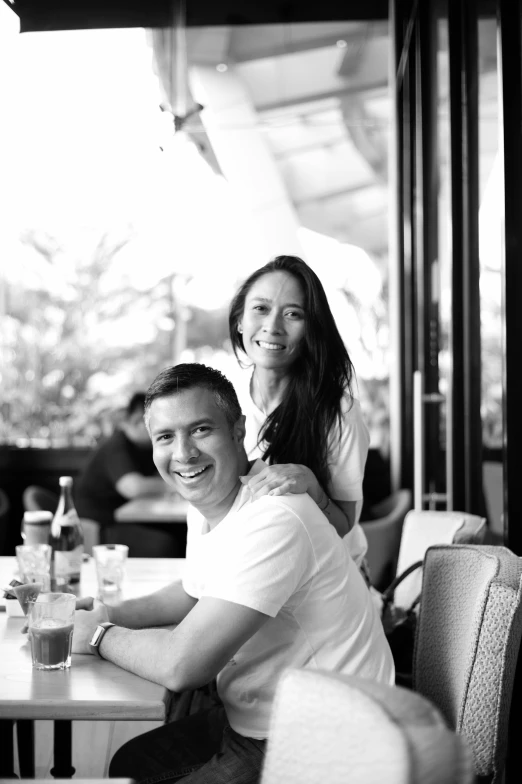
(347, 453)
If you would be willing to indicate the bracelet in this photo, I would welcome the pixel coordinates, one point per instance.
(324, 508)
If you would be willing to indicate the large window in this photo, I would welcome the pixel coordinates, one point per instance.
(127, 227)
(491, 235)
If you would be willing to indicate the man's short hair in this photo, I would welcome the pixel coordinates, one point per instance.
(188, 376)
(136, 403)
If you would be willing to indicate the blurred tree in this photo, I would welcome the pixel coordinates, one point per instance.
(77, 342)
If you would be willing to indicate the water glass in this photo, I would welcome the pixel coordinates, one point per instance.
(110, 560)
(36, 527)
(51, 624)
(34, 564)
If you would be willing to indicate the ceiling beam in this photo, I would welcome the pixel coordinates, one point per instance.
(266, 46)
(285, 103)
(41, 15)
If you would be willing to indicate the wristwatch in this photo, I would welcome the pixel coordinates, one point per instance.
(97, 637)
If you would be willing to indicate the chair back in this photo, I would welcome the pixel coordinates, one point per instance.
(421, 530)
(4, 519)
(467, 643)
(383, 533)
(38, 499)
(336, 728)
(4, 503)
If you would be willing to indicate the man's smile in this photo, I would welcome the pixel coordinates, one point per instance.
(192, 473)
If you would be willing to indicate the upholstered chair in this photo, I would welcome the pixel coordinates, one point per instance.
(421, 530)
(333, 728)
(467, 644)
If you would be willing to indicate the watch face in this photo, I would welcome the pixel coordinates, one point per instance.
(96, 636)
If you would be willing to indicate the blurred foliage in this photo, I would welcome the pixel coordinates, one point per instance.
(76, 343)
(74, 353)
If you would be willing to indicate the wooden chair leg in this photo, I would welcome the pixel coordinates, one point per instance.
(63, 768)
(7, 755)
(25, 740)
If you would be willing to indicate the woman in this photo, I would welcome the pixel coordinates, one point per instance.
(301, 415)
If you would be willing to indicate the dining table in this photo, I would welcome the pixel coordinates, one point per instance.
(91, 689)
(165, 508)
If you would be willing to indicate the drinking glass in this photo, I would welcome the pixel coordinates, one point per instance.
(36, 526)
(110, 560)
(34, 564)
(51, 623)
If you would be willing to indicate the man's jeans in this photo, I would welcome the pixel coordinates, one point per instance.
(200, 749)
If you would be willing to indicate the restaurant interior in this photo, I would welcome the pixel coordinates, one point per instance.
(154, 155)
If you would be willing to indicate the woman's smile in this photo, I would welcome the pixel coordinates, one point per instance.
(270, 346)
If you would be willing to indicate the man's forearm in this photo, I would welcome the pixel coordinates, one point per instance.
(144, 652)
(182, 658)
(167, 606)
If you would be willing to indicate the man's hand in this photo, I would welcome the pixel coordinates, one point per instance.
(85, 603)
(85, 623)
(280, 479)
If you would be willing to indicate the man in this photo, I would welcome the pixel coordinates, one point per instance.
(120, 469)
(268, 585)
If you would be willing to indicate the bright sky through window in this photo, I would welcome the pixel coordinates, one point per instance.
(81, 154)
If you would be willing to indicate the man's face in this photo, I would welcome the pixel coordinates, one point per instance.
(195, 450)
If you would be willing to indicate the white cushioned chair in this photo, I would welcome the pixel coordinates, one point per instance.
(333, 728)
(467, 644)
(421, 530)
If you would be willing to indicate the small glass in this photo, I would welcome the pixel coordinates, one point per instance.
(110, 560)
(36, 526)
(34, 564)
(50, 630)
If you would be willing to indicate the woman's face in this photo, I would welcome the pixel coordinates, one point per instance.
(273, 321)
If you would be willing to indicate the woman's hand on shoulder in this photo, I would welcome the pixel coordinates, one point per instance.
(280, 480)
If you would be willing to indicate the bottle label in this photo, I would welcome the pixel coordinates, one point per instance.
(68, 562)
(69, 518)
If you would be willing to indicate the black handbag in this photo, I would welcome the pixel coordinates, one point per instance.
(399, 627)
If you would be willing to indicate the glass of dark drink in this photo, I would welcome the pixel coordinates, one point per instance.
(51, 622)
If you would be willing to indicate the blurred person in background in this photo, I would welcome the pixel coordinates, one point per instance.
(121, 469)
(301, 415)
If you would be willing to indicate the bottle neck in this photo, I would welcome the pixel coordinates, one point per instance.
(66, 501)
(66, 514)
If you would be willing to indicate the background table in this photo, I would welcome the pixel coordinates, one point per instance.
(92, 689)
(153, 509)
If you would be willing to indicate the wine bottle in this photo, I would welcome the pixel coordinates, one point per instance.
(66, 540)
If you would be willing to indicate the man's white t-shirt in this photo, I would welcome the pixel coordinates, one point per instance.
(347, 453)
(280, 555)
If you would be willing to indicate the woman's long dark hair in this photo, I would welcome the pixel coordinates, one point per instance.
(297, 430)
